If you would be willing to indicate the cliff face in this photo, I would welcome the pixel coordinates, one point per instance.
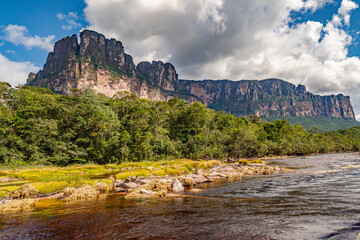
(267, 98)
(102, 65)
(159, 74)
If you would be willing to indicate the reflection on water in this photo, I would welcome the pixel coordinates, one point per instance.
(320, 200)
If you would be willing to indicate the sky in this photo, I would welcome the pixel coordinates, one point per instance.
(310, 42)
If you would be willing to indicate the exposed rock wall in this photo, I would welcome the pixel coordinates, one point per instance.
(267, 98)
(159, 74)
(102, 65)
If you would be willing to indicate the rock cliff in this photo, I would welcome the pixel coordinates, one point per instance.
(102, 65)
(159, 74)
(267, 98)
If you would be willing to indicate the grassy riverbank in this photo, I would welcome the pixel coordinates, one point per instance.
(52, 179)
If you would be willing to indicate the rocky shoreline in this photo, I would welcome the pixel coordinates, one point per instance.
(26, 196)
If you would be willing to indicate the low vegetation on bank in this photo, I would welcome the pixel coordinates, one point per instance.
(38, 127)
(24, 188)
(52, 179)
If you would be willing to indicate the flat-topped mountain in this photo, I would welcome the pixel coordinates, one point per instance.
(267, 98)
(102, 65)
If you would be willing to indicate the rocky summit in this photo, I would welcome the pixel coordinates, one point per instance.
(101, 65)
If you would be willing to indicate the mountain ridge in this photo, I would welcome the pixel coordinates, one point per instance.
(101, 64)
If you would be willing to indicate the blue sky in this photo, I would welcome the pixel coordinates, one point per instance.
(40, 18)
(310, 42)
(325, 14)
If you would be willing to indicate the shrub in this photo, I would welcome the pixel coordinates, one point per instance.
(244, 162)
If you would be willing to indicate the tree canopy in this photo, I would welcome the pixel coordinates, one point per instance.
(40, 127)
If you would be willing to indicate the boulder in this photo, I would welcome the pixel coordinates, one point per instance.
(196, 190)
(68, 191)
(129, 185)
(143, 181)
(25, 191)
(177, 186)
(84, 192)
(118, 183)
(202, 171)
(154, 189)
(199, 179)
(16, 204)
(102, 187)
(234, 175)
(144, 191)
(217, 175)
(130, 179)
(187, 181)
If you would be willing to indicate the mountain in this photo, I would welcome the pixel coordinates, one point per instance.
(102, 65)
(267, 98)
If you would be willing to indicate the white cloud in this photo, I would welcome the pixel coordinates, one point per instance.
(15, 73)
(314, 5)
(70, 19)
(210, 17)
(10, 51)
(19, 35)
(235, 39)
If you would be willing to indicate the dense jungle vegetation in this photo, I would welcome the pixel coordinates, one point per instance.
(40, 127)
(324, 124)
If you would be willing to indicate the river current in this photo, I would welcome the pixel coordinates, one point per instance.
(319, 200)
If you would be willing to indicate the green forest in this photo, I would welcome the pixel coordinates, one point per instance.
(40, 127)
(323, 124)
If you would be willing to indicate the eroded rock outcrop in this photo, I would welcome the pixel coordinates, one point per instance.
(101, 65)
(267, 98)
(160, 75)
(24, 191)
(81, 193)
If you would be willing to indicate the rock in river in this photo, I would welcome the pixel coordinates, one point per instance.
(177, 186)
(130, 185)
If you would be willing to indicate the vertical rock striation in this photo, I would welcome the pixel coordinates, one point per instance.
(101, 65)
(267, 98)
(160, 75)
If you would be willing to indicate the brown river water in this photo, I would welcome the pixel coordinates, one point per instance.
(320, 200)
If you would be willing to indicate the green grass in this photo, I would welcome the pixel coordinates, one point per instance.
(244, 162)
(257, 161)
(52, 179)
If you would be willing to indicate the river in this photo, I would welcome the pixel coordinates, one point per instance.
(320, 200)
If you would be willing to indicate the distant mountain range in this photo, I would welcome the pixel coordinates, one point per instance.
(101, 65)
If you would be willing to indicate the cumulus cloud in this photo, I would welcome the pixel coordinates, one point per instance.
(344, 11)
(15, 73)
(70, 20)
(237, 40)
(358, 117)
(314, 5)
(19, 35)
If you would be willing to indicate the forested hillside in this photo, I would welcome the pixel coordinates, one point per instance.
(40, 127)
(323, 124)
